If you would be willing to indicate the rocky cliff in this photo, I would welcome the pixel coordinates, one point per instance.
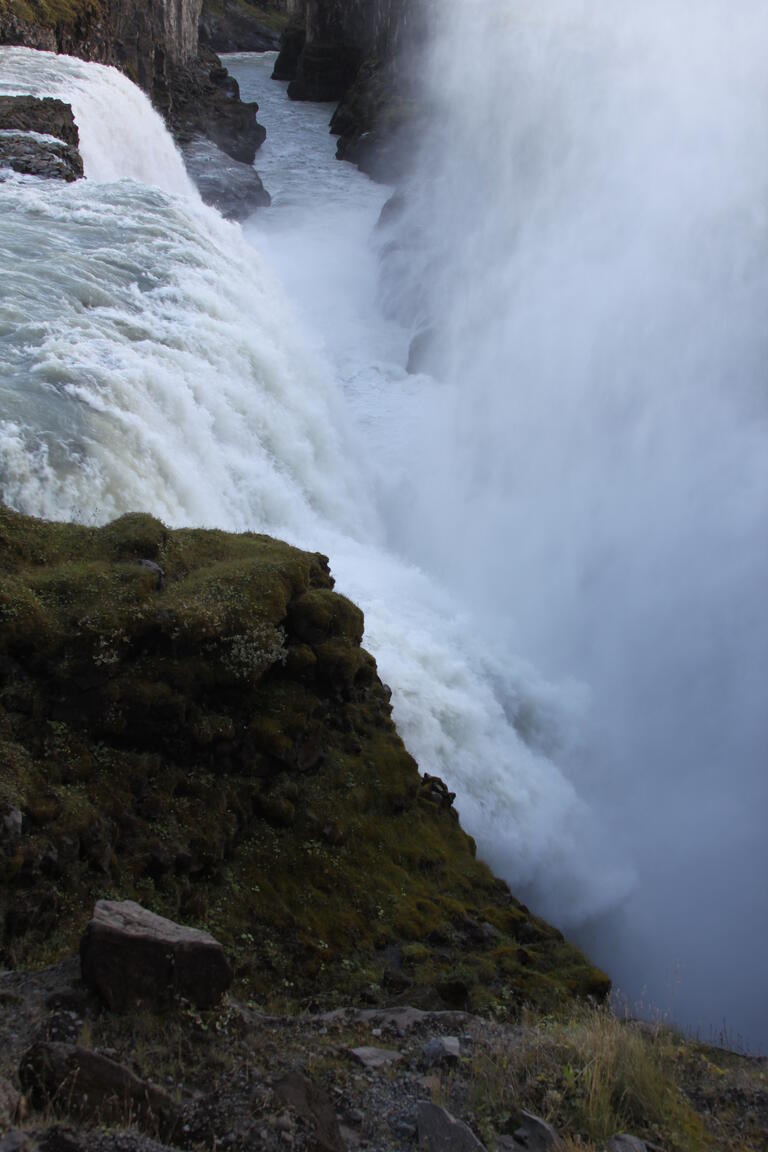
(364, 55)
(156, 45)
(188, 719)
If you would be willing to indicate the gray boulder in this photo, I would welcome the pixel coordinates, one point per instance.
(375, 1057)
(533, 1134)
(441, 1132)
(312, 1103)
(440, 1052)
(132, 957)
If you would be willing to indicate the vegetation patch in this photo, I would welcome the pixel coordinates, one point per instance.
(188, 719)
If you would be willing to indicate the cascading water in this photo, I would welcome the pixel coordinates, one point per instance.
(150, 361)
(600, 175)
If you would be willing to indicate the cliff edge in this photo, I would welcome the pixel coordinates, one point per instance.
(188, 719)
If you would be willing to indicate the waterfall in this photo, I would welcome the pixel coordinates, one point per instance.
(591, 204)
(151, 361)
(121, 135)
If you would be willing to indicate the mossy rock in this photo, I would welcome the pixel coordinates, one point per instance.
(217, 744)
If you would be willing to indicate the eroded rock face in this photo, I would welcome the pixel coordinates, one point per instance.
(324, 71)
(132, 957)
(228, 26)
(39, 138)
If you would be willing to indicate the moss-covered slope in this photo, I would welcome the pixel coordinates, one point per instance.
(215, 743)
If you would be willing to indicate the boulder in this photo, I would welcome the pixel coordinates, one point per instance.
(312, 1104)
(533, 1134)
(375, 1057)
(625, 1143)
(132, 957)
(441, 1132)
(83, 1084)
(441, 1051)
(232, 187)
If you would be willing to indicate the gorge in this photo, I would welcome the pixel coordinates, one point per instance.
(555, 522)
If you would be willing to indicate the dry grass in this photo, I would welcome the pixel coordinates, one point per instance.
(592, 1077)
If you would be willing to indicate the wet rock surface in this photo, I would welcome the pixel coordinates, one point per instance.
(232, 187)
(39, 138)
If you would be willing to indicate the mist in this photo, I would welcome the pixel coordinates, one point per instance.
(585, 250)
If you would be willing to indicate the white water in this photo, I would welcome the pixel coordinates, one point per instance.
(600, 173)
(150, 359)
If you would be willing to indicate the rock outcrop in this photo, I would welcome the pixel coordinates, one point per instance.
(364, 55)
(156, 45)
(234, 188)
(39, 138)
(219, 748)
(237, 26)
(133, 959)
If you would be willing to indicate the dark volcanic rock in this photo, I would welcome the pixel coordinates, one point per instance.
(156, 45)
(39, 138)
(378, 120)
(292, 43)
(131, 956)
(324, 71)
(202, 99)
(229, 26)
(81, 1083)
(233, 188)
(28, 114)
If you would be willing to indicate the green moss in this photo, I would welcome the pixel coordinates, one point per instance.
(50, 13)
(221, 748)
